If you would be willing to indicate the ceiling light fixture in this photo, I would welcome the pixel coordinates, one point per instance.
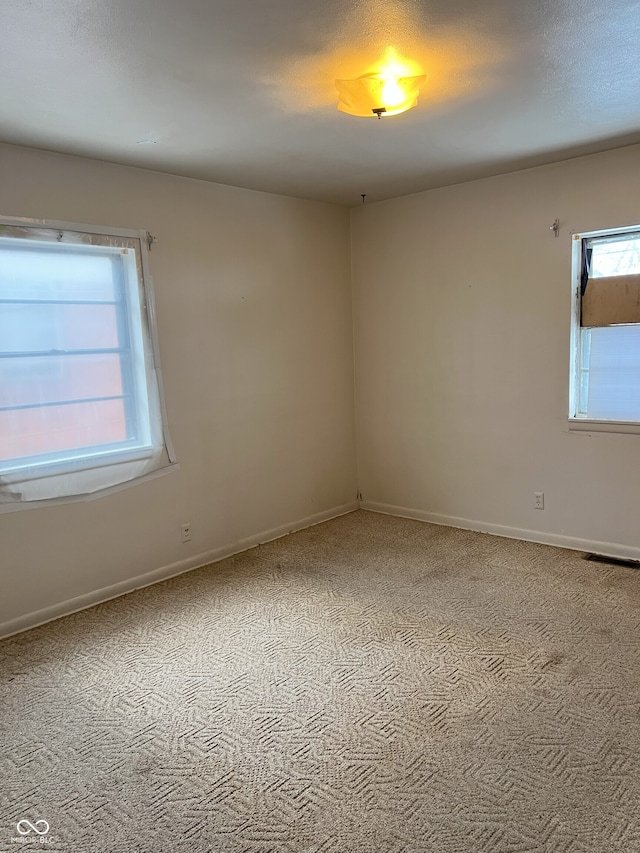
(381, 93)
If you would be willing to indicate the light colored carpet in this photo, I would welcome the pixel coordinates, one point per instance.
(369, 685)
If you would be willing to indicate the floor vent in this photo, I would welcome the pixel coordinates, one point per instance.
(614, 561)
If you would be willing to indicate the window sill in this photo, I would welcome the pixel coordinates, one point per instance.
(585, 425)
(110, 490)
(74, 464)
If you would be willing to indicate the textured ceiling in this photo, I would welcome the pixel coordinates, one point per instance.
(241, 91)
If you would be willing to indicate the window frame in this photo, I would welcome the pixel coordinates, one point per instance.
(140, 321)
(577, 424)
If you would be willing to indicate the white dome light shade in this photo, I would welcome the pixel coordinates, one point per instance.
(377, 94)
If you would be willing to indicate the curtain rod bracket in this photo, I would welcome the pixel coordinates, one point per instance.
(151, 240)
(555, 228)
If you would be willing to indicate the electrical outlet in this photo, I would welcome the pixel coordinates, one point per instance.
(185, 532)
(538, 500)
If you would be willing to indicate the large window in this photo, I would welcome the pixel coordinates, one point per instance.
(80, 406)
(605, 382)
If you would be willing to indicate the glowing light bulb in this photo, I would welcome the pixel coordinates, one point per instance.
(392, 93)
(387, 90)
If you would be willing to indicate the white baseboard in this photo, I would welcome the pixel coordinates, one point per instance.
(608, 549)
(99, 596)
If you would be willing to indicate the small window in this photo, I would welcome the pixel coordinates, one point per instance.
(80, 405)
(605, 377)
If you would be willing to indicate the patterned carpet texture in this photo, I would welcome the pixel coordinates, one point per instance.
(368, 685)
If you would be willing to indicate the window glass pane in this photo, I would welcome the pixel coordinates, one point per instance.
(40, 380)
(52, 429)
(617, 256)
(78, 387)
(613, 368)
(42, 327)
(54, 272)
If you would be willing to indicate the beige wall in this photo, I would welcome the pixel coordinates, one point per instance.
(462, 306)
(254, 315)
(461, 303)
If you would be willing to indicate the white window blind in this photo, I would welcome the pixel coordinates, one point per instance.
(610, 364)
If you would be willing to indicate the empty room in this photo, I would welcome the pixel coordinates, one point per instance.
(320, 426)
